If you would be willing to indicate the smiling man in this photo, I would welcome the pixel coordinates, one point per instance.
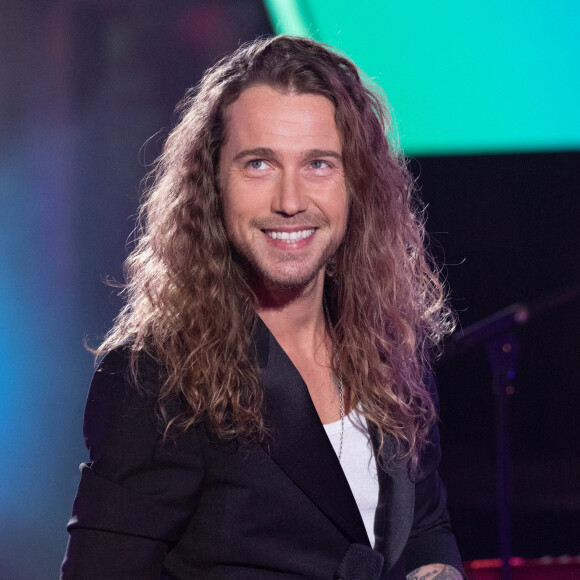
(285, 201)
(263, 406)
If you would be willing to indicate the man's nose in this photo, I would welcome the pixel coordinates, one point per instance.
(290, 197)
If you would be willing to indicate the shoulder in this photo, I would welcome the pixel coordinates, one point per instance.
(125, 378)
(121, 403)
(126, 365)
(137, 483)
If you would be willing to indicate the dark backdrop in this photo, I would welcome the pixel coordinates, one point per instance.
(505, 227)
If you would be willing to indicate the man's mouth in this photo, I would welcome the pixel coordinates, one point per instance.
(289, 237)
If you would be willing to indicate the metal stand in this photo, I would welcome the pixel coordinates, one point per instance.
(497, 334)
(502, 355)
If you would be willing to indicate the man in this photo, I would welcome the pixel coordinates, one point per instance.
(263, 409)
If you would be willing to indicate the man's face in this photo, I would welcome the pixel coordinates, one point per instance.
(283, 185)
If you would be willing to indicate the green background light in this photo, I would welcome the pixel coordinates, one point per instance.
(461, 77)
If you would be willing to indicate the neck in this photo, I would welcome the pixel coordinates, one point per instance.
(294, 316)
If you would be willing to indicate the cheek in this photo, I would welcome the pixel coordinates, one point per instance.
(231, 219)
(229, 212)
(237, 216)
(246, 202)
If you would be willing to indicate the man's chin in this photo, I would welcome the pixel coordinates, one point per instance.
(293, 282)
(285, 277)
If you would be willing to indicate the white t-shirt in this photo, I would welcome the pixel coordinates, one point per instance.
(359, 465)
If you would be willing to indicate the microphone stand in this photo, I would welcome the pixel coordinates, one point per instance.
(497, 334)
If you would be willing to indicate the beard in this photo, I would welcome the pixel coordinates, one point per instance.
(279, 270)
(294, 276)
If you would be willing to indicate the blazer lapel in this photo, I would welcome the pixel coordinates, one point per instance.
(395, 509)
(298, 442)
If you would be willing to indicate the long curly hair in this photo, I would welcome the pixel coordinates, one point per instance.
(188, 303)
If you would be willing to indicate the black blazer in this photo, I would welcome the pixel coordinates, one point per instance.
(201, 508)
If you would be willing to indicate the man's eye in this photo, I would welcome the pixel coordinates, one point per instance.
(318, 164)
(257, 164)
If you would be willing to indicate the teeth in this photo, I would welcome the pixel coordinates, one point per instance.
(290, 236)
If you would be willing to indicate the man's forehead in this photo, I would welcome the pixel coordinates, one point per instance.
(269, 112)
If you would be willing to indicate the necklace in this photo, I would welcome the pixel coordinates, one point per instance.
(339, 378)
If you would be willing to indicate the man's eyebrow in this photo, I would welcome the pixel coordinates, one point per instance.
(268, 153)
(257, 152)
(323, 153)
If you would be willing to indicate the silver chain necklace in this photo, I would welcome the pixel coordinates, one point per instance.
(339, 377)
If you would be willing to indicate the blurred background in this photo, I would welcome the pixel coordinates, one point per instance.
(485, 101)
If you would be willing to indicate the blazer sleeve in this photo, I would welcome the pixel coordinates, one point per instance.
(431, 540)
(139, 490)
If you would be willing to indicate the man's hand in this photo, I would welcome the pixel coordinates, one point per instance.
(438, 571)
